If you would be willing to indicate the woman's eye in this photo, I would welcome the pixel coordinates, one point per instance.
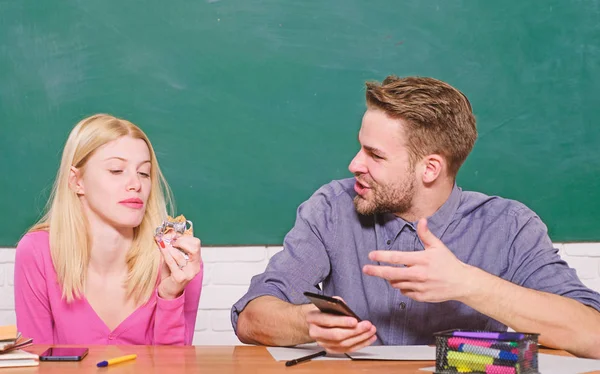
(116, 171)
(145, 175)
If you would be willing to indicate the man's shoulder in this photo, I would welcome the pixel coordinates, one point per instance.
(339, 187)
(335, 196)
(478, 203)
(339, 190)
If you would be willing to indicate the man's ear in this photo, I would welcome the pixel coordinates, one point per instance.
(434, 166)
(75, 181)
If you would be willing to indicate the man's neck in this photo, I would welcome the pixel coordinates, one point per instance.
(428, 200)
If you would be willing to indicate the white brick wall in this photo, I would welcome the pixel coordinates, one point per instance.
(228, 271)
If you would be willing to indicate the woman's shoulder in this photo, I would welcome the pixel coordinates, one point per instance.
(36, 243)
(33, 262)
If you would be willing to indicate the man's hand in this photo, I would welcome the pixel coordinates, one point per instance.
(432, 275)
(339, 334)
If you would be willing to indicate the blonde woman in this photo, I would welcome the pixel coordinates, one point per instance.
(90, 271)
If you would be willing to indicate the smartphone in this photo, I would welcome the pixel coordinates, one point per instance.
(64, 354)
(327, 304)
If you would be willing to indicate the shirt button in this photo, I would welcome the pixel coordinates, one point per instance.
(402, 305)
(111, 337)
(389, 242)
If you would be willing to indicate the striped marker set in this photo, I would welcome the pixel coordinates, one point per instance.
(489, 352)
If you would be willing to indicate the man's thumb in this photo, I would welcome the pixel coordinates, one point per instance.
(426, 236)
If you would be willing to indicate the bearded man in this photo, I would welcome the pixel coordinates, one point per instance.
(409, 251)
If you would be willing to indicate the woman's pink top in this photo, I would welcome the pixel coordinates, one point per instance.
(42, 313)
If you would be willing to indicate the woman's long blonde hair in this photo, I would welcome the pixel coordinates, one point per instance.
(67, 225)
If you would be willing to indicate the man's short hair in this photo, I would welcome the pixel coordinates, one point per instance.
(438, 117)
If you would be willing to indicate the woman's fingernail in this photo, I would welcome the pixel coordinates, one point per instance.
(161, 243)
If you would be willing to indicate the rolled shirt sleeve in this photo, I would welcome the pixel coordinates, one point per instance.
(304, 261)
(536, 264)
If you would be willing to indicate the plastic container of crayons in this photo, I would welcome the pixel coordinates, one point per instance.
(489, 352)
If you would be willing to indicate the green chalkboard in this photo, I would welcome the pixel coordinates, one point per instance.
(252, 105)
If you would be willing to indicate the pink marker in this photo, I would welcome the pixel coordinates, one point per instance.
(498, 369)
(456, 342)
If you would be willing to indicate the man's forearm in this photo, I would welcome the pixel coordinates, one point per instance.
(267, 320)
(561, 322)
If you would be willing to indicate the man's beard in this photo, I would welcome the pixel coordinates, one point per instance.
(389, 198)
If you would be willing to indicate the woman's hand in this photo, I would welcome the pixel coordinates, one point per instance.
(176, 272)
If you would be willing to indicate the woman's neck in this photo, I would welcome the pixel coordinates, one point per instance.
(109, 248)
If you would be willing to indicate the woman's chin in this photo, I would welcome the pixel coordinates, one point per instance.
(129, 224)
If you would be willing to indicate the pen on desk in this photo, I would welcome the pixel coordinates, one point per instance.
(116, 360)
(305, 358)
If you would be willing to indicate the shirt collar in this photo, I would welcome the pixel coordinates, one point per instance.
(440, 220)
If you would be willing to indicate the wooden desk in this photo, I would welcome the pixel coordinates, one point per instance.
(209, 360)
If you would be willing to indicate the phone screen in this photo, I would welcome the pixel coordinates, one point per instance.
(64, 354)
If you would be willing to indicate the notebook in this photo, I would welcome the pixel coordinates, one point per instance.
(11, 339)
(21, 342)
(8, 333)
(18, 358)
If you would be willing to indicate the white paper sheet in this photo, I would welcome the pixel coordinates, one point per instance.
(553, 364)
(377, 352)
(395, 352)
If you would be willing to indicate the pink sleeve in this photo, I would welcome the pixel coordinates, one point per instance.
(32, 306)
(175, 319)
